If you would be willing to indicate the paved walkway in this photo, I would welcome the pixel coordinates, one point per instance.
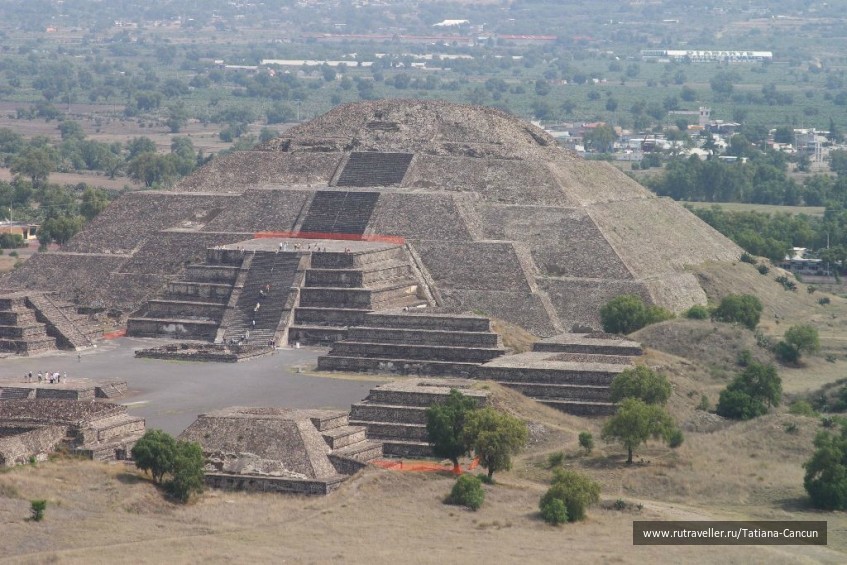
(170, 394)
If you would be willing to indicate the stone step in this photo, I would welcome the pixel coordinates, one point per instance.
(577, 408)
(349, 348)
(423, 337)
(393, 431)
(599, 349)
(172, 327)
(395, 366)
(344, 436)
(23, 331)
(13, 393)
(225, 274)
(418, 397)
(364, 451)
(159, 308)
(330, 421)
(320, 316)
(315, 335)
(338, 297)
(369, 412)
(340, 260)
(199, 291)
(548, 376)
(356, 278)
(587, 393)
(410, 449)
(28, 346)
(441, 322)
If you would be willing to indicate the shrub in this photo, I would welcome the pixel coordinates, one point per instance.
(37, 508)
(704, 405)
(744, 309)
(826, 472)
(745, 357)
(187, 475)
(160, 454)
(804, 337)
(802, 408)
(643, 383)
(786, 283)
(553, 511)
(763, 269)
(786, 352)
(586, 441)
(577, 492)
(739, 405)
(155, 453)
(467, 491)
(627, 313)
(811, 289)
(824, 300)
(747, 258)
(555, 459)
(790, 428)
(675, 438)
(697, 312)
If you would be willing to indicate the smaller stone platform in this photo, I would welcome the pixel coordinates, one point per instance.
(217, 352)
(31, 429)
(279, 449)
(76, 388)
(395, 413)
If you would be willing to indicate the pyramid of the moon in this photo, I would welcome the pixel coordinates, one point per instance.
(498, 219)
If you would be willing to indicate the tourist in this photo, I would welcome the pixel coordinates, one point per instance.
(40, 378)
(258, 305)
(65, 376)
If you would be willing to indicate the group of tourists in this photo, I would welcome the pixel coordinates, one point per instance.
(46, 377)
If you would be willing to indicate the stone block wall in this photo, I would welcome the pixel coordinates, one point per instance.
(18, 444)
(255, 483)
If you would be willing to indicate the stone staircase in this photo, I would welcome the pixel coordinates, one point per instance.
(570, 372)
(192, 307)
(340, 212)
(70, 329)
(16, 393)
(341, 288)
(374, 169)
(351, 448)
(33, 322)
(411, 343)
(395, 413)
(268, 284)
(109, 438)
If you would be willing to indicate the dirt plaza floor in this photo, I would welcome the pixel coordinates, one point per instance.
(170, 394)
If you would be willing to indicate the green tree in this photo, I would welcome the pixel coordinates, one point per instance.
(626, 313)
(37, 508)
(642, 383)
(576, 492)
(70, 129)
(445, 423)
(804, 337)
(751, 393)
(93, 202)
(35, 163)
(152, 169)
(838, 161)
(586, 441)
(826, 472)
(60, 229)
(600, 138)
(467, 491)
(635, 422)
(745, 309)
(155, 453)
(494, 437)
(187, 472)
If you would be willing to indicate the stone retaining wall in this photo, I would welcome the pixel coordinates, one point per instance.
(255, 483)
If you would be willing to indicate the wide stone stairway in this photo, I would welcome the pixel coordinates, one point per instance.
(267, 285)
(374, 169)
(417, 344)
(340, 212)
(32, 322)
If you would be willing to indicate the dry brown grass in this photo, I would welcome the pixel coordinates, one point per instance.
(514, 337)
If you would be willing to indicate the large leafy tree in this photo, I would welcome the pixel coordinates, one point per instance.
(575, 493)
(751, 393)
(494, 437)
(445, 423)
(635, 422)
(643, 383)
(155, 453)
